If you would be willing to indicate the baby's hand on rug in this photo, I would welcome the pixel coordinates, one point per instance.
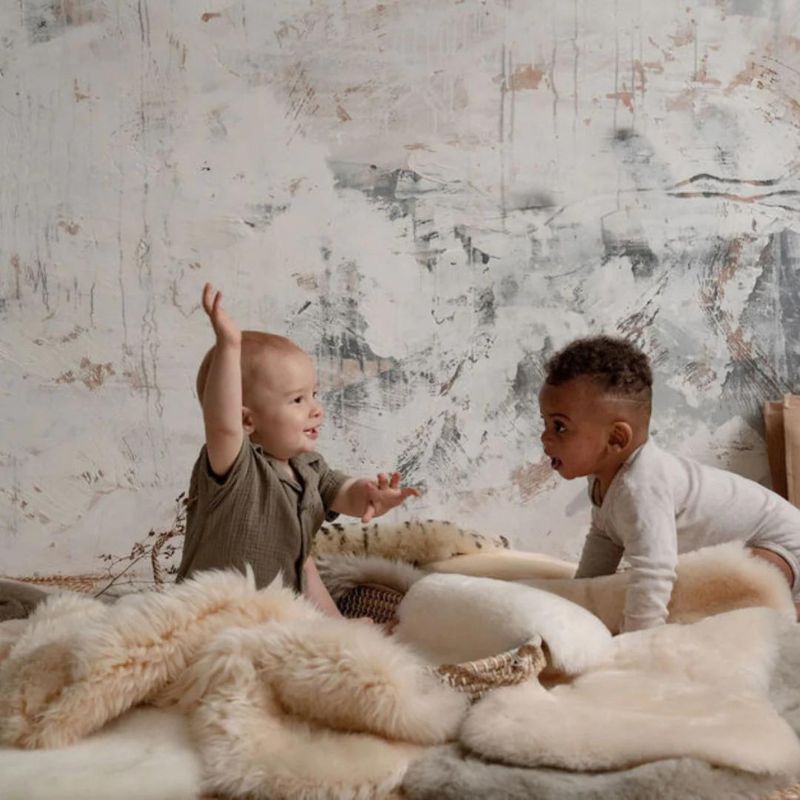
(385, 495)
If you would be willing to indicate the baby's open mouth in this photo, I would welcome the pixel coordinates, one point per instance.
(555, 463)
(313, 432)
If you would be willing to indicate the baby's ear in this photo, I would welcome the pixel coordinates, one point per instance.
(248, 425)
(620, 436)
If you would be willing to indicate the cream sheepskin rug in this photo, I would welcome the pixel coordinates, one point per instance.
(80, 663)
(342, 573)
(147, 754)
(284, 711)
(709, 581)
(455, 618)
(415, 542)
(282, 701)
(507, 565)
(677, 690)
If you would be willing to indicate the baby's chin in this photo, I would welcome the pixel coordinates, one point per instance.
(566, 472)
(309, 445)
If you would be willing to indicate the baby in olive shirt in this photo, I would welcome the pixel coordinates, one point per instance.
(259, 490)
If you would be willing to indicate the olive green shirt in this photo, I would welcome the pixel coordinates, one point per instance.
(256, 514)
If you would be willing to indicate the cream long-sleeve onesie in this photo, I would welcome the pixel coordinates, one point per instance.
(659, 505)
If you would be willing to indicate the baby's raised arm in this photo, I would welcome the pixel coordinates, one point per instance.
(222, 393)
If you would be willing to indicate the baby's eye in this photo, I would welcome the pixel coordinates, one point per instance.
(559, 427)
(298, 399)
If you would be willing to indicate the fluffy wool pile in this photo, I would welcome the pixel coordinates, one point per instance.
(281, 701)
(691, 690)
(261, 696)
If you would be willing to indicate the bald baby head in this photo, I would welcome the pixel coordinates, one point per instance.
(261, 360)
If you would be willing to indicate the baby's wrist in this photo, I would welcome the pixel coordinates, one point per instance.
(228, 341)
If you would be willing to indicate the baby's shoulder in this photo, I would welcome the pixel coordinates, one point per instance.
(650, 468)
(643, 485)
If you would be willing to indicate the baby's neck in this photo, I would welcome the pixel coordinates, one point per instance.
(287, 469)
(284, 464)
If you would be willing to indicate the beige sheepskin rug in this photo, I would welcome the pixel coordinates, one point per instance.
(80, 663)
(695, 690)
(146, 754)
(415, 542)
(709, 581)
(456, 618)
(306, 711)
(507, 565)
(282, 701)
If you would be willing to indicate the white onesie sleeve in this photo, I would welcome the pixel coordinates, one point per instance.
(600, 555)
(644, 521)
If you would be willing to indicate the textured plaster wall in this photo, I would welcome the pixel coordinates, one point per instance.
(429, 195)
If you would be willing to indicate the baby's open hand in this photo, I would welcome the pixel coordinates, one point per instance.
(385, 494)
(224, 327)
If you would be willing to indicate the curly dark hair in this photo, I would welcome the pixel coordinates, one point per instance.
(616, 365)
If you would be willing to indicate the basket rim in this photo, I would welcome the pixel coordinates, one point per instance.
(535, 644)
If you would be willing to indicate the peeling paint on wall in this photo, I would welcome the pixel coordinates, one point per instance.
(429, 197)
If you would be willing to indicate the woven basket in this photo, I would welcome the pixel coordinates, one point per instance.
(379, 603)
(473, 678)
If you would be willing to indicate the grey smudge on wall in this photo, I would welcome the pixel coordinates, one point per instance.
(642, 259)
(474, 254)
(435, 455)
(772, 311)
(623, 237)
(45, 19)
(396, 185)
(525, 387)
(751, 378)
(640, 161)
(398, 191)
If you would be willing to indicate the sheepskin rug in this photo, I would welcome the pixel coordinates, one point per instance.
(80, 662)
(447, 773)
(146, 754)
(507, 565)
(451, 773)
(415, 542)
(709, 581)
(674, 691)
(455, 618)
(281, 701)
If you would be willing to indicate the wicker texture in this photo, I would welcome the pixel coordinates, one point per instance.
(473, 678)
(476, 678)
(379, 603)
(75, 583)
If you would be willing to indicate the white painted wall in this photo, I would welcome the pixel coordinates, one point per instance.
(430, 196)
